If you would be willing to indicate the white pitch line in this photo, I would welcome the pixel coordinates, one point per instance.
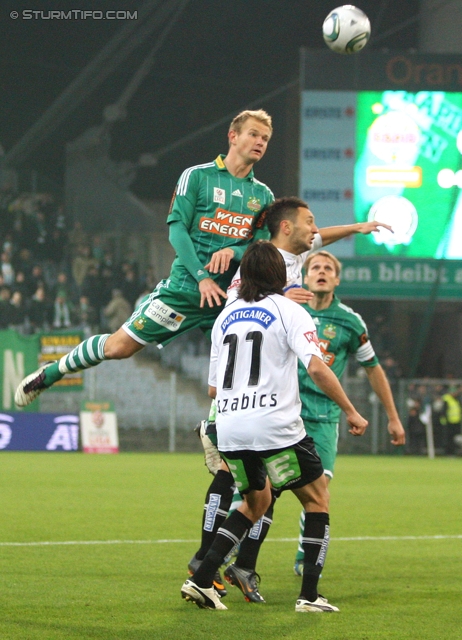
(50, 543)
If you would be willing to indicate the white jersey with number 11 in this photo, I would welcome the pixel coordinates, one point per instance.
(255, 346)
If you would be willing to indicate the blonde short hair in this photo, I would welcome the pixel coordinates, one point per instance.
(326, 254)
(260, 115)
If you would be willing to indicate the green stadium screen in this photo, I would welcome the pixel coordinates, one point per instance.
(393, 156)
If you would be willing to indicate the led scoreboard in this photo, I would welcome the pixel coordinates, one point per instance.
(389, 154)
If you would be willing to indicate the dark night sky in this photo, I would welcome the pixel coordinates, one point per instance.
(219, 57)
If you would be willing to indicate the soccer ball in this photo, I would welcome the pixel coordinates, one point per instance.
(346, 29)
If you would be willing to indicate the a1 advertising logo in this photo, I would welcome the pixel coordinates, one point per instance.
(39, 432)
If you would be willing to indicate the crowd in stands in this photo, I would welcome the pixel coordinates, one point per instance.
(56, 277)
(438, 405)
(53, 277)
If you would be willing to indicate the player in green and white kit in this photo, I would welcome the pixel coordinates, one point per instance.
(212, 212)
(341, 333)
(210, 225)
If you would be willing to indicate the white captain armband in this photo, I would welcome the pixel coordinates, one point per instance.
(365, 352)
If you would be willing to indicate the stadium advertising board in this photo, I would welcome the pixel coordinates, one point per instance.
(98, 423)
(39, 432)
(380, 71)
(386, 144)
(54, 346)
(18, 356)
(407, 279)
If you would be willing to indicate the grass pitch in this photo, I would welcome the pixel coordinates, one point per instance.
(97, 547)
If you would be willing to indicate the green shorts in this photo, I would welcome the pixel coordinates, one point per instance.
(325, 436)
(167, 313)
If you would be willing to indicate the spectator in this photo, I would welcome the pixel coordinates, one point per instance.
(108, 261)
(18, 319)
(8, 244)
(97, 249)
(40, 243)
(130, 286)
(63, 302)
(6, 268)
(117, 311)
(36, 278)
(6, 198)
(39, 311)
(81, 264)
(5, 307)
(92, 288)
(76, 237)
(85, 316)
(450, 420)
(438, 411)
(62, 313)
(56, 248)
(417, 440)
(24, 262)
(108, 283)
(21, 285)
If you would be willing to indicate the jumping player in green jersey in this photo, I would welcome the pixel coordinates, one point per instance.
(341, 333)
(210, 224)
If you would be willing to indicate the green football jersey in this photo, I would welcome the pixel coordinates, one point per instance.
(341, 332)
(218, 210)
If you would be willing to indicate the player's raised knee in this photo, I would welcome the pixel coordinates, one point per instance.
(120, 345)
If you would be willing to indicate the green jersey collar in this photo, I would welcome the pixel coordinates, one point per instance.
(219, 161)
(335, 302)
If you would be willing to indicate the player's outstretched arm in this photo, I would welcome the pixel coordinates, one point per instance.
(332, 234)
(369, 227)
(327, 381)
(379, 383)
